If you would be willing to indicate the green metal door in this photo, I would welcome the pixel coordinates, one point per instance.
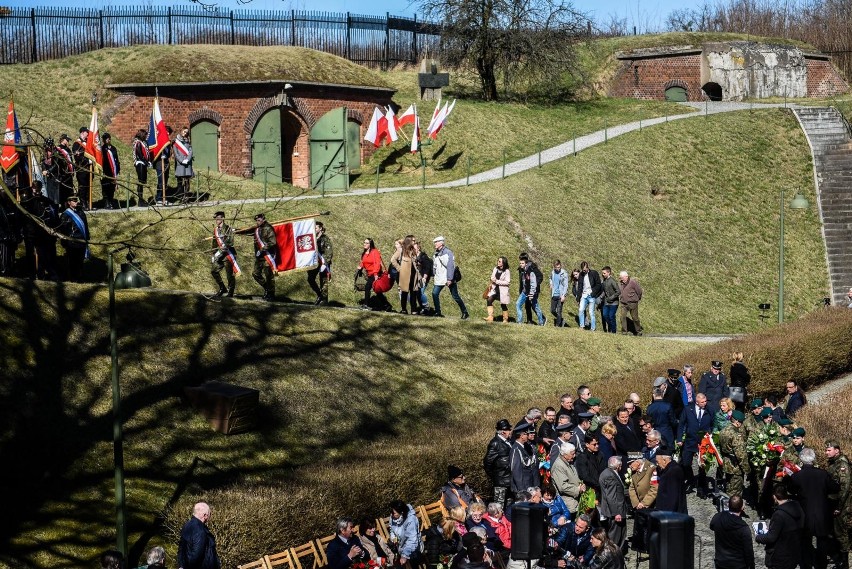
(266, 147)
(353, 144)
(329, 168)
(205, 146)
(676, 94)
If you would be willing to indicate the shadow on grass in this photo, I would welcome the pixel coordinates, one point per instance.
(55, 403)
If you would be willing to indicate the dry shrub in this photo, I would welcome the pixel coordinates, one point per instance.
(828, 419)
(251, 520)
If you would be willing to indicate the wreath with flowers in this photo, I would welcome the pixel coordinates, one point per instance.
(764, 446)
(370, 564)
(708, 451)
(544, 464)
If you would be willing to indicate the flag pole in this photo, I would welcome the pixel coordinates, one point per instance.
(246, 230)
(163, 172)
(91, 179)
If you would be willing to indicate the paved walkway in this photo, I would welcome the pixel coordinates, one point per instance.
(532, 161)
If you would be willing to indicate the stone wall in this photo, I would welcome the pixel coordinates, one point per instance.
(239, 107)
(648, 78)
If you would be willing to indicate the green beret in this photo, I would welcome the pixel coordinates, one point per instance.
(784, 422)
(738, 416)
(798, 432)
(755, 403)
(765, 413)
(594, 401)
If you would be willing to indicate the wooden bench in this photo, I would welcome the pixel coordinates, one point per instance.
(229, 409)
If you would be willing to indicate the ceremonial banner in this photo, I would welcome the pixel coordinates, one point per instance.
(415, 135)
(297, 245)
(93, 142)
(9, 158)
(158, 136)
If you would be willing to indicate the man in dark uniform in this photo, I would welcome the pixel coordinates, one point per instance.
(73, 224)
(225, 256)
(162, 165)
(323, 269)
(812, 486)
(496, 462)
(65, 158)
(82, 166)
(714, 384)
(40, 245)
(671, 490)
(841, 472)
(112, 169)
(265, 256)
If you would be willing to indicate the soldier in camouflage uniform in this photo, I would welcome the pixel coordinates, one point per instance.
(750, 425)
(732, 446)
(265, 256)
(839, 469)
(225, 257)
(323, 269)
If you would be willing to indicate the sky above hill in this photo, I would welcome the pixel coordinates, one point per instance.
(644, 15)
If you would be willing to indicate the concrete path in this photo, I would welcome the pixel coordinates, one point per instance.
(532, 161)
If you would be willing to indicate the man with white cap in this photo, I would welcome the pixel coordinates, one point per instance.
(444, 271)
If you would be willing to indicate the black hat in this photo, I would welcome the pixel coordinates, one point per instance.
(522, 427)
(260, 216)
(105, 136)
(72, 198)
(716, 364)
(454, 471)
(84, 129)
(586, 416)
(64, 136)
(663, 451)
(470, 539)
(218, 214)
(564, 427)
(674, 373)
(503, 425)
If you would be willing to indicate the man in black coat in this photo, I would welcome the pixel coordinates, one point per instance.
(694, 420)
(811, 486)
(714, 384)
(734, 549)
(590, 464)
(671, 493)
(626, 439)
(197, 547)
(783, 541)
(345, 547)
(497, 463)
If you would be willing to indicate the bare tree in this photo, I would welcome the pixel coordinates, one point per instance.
(515, 38)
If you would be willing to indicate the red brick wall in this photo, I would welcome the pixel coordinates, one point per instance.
(234, 107)
(823, 79)
(649, 78)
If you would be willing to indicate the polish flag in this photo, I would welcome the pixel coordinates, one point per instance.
(297, 245)
(441, 120)
(415, 135)
(9, 157)
(373, 133)
(158, 136)
(434, 115)
(381, 126)
(93, 142)
(408, 117)
(390, 118)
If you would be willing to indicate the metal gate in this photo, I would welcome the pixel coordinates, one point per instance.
(329, 160)
(266, 147)
(205, 146)
(676, 94)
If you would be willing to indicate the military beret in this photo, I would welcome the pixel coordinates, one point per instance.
(564, 427)
(503, 425)
(673, 373)
(784, 422)
(755, 403)
(738, 416)
(765, 413)
(716, 364)
(593, 401)
(586, 416)
(522, 427)
(659, 381)
(798, 432)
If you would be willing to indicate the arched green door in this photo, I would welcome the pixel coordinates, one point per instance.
(204, 136)
(329, 160)
(353, 144)
(266, 147)
(676, 94)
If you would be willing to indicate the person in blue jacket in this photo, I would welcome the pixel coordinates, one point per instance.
(405, 532)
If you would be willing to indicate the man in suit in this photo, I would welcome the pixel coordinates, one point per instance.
(812, 486)
(671, 494)
(584, 422)
(663, 416)
(345, 547)
(653, 443)
(694, 420)
(626, 439)
(613, 504)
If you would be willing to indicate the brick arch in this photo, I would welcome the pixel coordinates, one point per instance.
(355, 116)
(299, 108)
(676, 83)
(205, 114)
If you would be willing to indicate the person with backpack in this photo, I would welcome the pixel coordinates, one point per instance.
(530, 287)
(558, 290)
(446, 274)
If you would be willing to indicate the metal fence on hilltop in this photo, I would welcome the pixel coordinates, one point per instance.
(28, 35)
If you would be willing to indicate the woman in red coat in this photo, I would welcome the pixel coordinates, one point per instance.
(372, 264)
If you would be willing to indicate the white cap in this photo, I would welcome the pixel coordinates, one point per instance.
(438, 238)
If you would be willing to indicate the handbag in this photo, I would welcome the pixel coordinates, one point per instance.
(485, 294)
(457, 276)
(383, 284)
(737, 394)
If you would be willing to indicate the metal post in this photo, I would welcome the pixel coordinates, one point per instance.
(233, 31)
(414, 51)
(117, 436)
(265, 180)
(33, 23)
(539, 155)
(640, 125)
(706, 104)
(467, 182)
(377, 178)
(169, 18)
(348, 40)
(324, 173)
(574, 139)
(606, 132)
(387, 41)
(781, 262)
(423, 165)
(504, 162)
(101, 22)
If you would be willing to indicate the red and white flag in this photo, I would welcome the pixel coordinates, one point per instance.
(441, 120)
(408, 117)
(415, 134)
(9, 157)
(297, 245)
(390, 118)
(158, 136)
(93, 142)
(434, 116)
(381, 126)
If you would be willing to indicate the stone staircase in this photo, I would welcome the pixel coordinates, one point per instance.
(829, 136)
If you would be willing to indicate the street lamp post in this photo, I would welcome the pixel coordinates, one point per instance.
(799, 202)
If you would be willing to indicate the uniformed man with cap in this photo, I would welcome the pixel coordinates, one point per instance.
(65, 160)
(584, 421)
(732, 447)
(752, 421)
(73, 224)
(840, 470)
(497, 462)
(82, 166)
(714, 384)
(111, 171)
(595, 410)
(265, 256)
(672, 394)
(523, 462)
(564, 432)
(225, 256)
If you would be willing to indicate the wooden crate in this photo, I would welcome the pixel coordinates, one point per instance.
(230, 409)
